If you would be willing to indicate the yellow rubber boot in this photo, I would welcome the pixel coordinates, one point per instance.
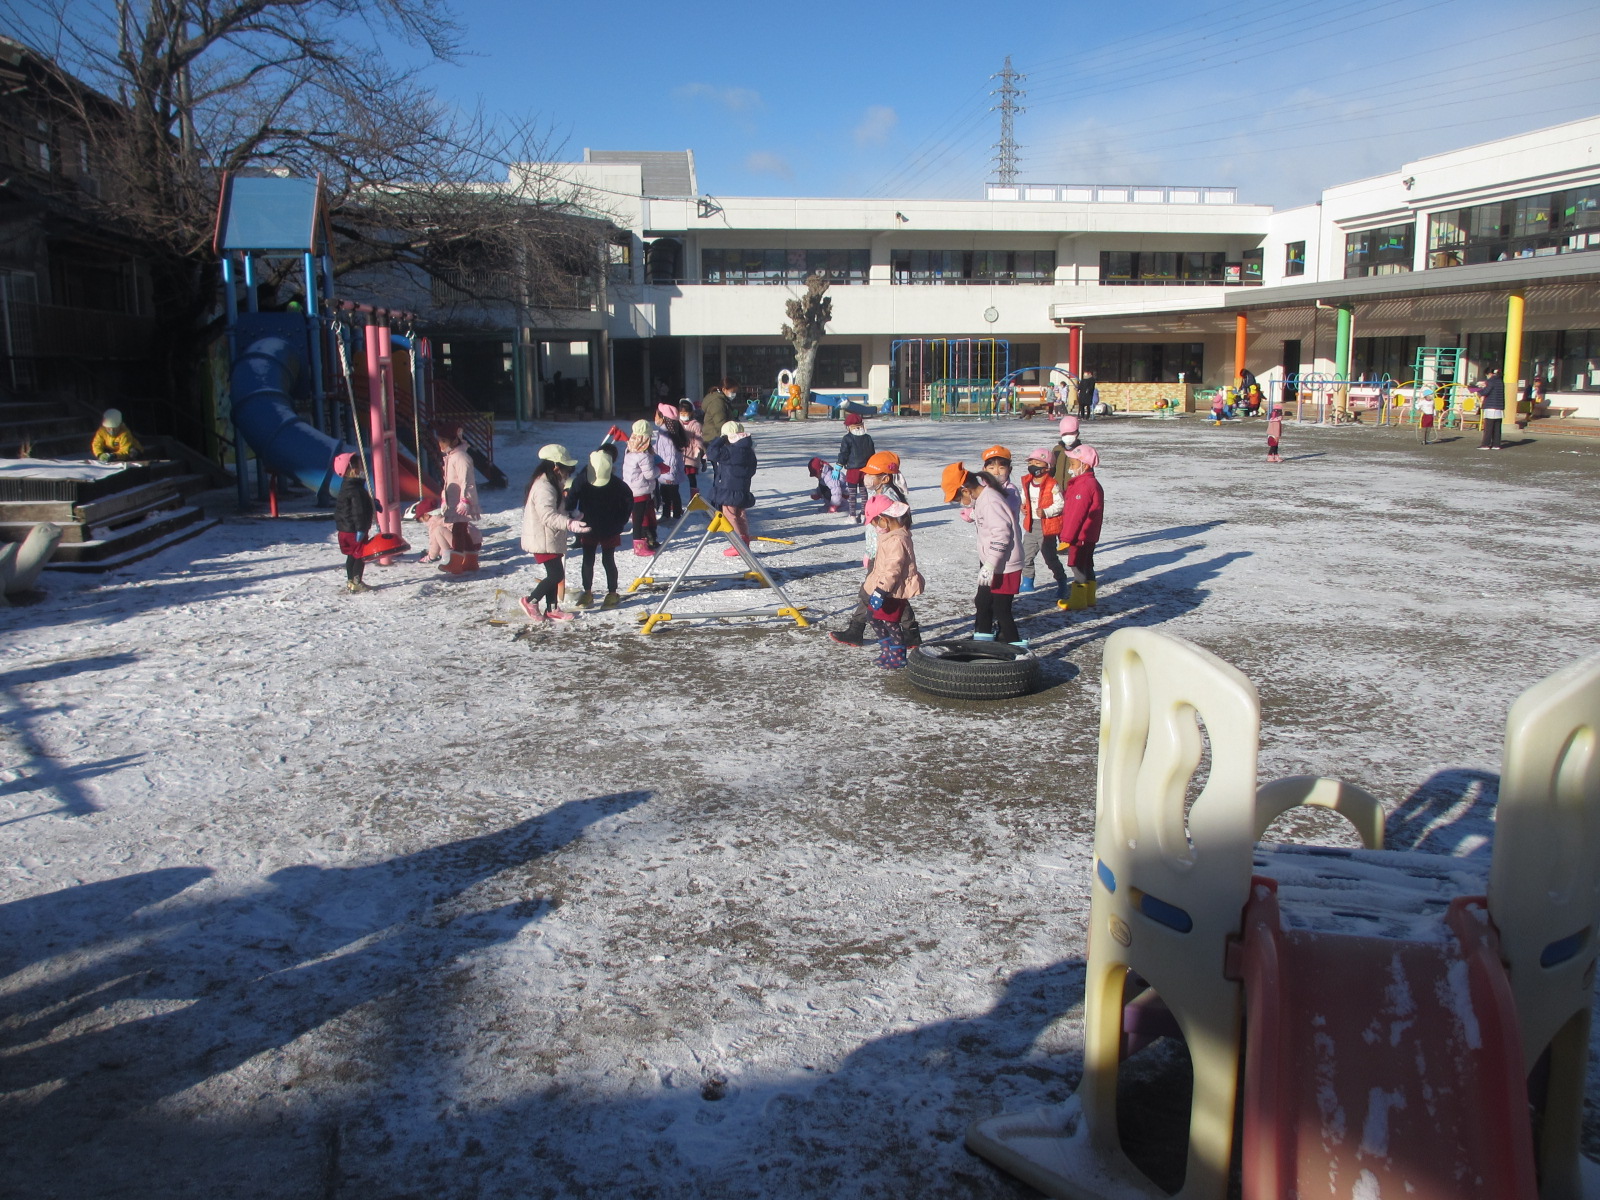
(1091, 587)
(1079, 599)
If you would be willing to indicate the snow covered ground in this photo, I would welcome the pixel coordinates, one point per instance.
(305, 894)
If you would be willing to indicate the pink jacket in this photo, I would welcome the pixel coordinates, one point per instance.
(895, 567)
(695, 454)
(639, 472)
(459, 498)
(999, 534)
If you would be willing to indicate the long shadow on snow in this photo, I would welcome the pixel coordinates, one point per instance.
(1156, 599)
(39, 770)
(252, 973)
(887, 1122)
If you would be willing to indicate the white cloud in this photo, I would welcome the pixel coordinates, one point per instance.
(763, 162)
(734, 99)
(877, 123)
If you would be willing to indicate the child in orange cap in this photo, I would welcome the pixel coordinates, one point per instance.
(1080, 525)
(881, 478)
(999, 551)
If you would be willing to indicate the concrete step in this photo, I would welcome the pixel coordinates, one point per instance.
(155, 531)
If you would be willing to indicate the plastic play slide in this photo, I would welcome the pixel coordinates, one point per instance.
(263, 380)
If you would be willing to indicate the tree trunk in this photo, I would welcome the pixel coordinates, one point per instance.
(805, 363)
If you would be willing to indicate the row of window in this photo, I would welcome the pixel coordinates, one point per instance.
(1193, 267)
(1145, 362)
(1551, 223)
(1385, 251)
(784, 266)
(973, 266)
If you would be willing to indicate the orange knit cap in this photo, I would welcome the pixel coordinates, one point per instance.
(997, 452)
(884, 462)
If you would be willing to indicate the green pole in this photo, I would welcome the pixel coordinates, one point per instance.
(1341, 346)
(1341, 357)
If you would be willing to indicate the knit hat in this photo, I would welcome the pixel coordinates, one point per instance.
(878, 505)
(600, 468)
(1038, 455)
(556, 453)
(953, 479)
(1069, 424)
(112, 418)
(1087, 455)
(641, 428)
(341, 463)
(997, 452)
(853, 418)
(884, 462)
(667, 411)
(734, 431)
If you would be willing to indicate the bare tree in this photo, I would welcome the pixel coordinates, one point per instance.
(808, 321)
(306, 87)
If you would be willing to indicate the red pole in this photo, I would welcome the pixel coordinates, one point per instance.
(1075, 350)
(381, 430)
(272, 493)
(391, 447)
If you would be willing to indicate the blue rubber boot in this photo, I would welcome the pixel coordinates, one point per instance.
(1027, 583)
(983, 637)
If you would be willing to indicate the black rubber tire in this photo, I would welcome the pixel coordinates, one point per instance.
(965, 669)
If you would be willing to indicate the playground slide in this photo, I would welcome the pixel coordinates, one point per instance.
(1380, 1065)
(263, 379)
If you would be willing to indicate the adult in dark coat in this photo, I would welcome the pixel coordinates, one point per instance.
(1086, 397)
(1493, 391)
(717, 411)
(734, 457)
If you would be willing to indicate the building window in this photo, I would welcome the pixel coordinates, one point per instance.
(1528, 227)
(1173, 267)
(973, 266)
(784, 266)
(1378, 357)
(1385, 251)
(755, 368)
(1145, 362)
(1294, 259)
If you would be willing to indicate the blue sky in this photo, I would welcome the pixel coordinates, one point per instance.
(1279, 98)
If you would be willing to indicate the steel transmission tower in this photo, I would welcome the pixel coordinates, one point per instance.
(1005, 150)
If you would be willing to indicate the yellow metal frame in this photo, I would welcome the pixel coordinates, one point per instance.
(755, 572)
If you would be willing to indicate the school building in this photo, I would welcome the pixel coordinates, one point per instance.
(1157, 289)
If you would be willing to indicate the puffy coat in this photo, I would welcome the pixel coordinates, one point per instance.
(459, 498)
(639, 472)
(1042, 501)
(999, 537)
(606, 509)
(1080, 518)
(352, 507)
(671, 457)
(894, 570)
(544, 521)
(856, 448)
(735, 464)
(118, 443)
(695, 453)
(895, 492)
(714, 415)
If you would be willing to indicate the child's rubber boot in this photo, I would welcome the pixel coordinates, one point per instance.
(585, 599)
(853, 634)
(355, 585)
(1020, 643)
(983, 637)
(1078, 599)
(461, 562)
(642, 548)
(611, 600)
(1091, 587)
(1027, 583)
(1063, 590)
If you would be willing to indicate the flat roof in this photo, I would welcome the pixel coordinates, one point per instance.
(1581, 266)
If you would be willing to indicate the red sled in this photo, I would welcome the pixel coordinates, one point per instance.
(376, 546)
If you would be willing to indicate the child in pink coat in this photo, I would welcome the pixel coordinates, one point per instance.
(999, 551)
(894, 579)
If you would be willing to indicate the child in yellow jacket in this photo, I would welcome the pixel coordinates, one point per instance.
(114, 441)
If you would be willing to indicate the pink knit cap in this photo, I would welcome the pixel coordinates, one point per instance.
(1038, 454)
(341, 464)
(1069, 424)
(881, 504)
(1086, 455)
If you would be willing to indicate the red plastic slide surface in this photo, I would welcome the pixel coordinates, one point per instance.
(1377, 1067)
